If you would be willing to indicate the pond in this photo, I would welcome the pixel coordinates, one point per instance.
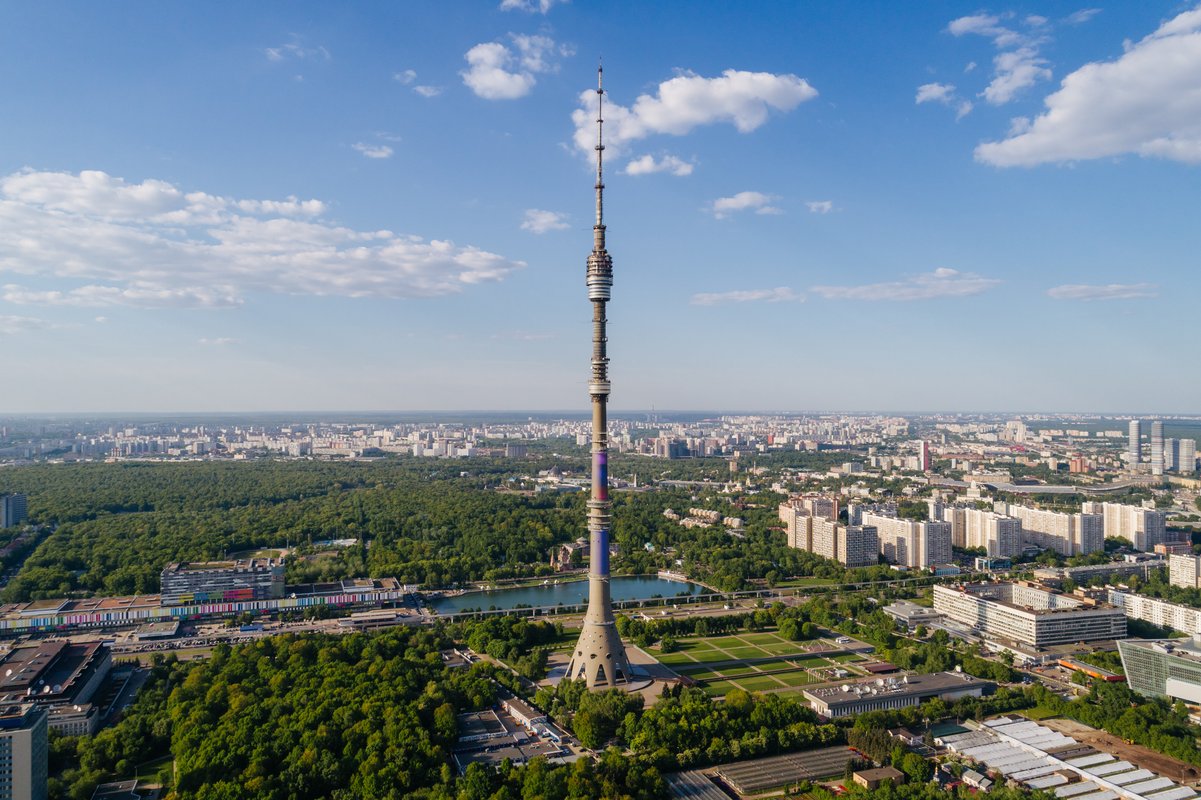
(622, 587)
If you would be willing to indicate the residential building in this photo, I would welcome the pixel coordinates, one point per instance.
(1184, 455)
(14, 509)
(909, 543)
(1184, 570)
(880, 694)
(1158, 612)
(855, 511)
(851, 545)
(1134, 446)
(1090, 573)
(1066, 534)
(1028, 614)
(201, 582)
(1163, 668)
(24, 752)
(999, 535)
(1142, 527)
(1157, 459)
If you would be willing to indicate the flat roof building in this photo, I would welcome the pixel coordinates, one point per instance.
(1160, 613)
(1028, 614)
(878, 694)
(918, 545)
(184, 583)
(24, 752)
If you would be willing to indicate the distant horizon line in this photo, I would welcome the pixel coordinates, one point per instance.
(586, 413)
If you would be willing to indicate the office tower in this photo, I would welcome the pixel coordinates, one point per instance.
(24, 751)
(600, 658)
(13, 510)
(1134, 446)
(1157, 448)
(1169, 668)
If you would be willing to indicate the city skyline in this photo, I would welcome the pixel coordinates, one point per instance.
(290, 207)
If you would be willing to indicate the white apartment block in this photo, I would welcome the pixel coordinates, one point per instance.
(917, 545)
(1028, 615)
(851, 545)
(1066, 534)
(1143, 527)
(1184, 571)
(998, 535)
(1157, 612)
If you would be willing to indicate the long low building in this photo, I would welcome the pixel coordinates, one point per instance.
(1158, 612)
(1027, 614)
(108, 613)
(881, 694)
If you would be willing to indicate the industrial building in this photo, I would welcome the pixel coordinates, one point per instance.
(879, 694)
(1035, 757)
(212, 581)
(24, 752)
(1027, 614)
(1164, 668)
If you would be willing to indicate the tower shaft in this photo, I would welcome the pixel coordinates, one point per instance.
(599, 657)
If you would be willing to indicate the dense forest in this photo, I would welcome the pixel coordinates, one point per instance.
(430, 523)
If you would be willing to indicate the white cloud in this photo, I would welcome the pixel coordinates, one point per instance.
(1148, 101)
(221, 341)
(428, 91)
(102, 320)
(373, 150)
(647, 165)
(780, 294)
(1112, 291)
(935, 93)
(1019, 65)
(1015, 70)
(10, 325)
(1082, 16)
(539, 221)
(941, 282)
(688, 101)
(495, 72)
(297, 50)
(406, 77)
(109, 243)
(744, 201)
(529, 6)
(820, 206)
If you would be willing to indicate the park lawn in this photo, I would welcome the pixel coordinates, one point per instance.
(675, 658)
(811, 661)
(739, 672)
(805, 582)
(847, 658)
(795, 678)
(761, 638)
(717, 688)
(785, 649)
(759, 682)
(1037, 713)
(746, 652)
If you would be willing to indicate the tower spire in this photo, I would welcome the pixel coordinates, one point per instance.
(599, 228)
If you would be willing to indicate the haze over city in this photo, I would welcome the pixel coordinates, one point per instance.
(386, 206)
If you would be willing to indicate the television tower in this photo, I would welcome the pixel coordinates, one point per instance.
(599, 657)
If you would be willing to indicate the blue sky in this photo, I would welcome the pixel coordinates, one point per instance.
(277, 206)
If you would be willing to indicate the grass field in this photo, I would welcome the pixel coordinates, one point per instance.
(756, 662)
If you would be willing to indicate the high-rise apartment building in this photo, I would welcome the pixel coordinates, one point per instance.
(1157, 460)
(1184, 455)
(923, 455)
(1184, 570)
(1134, 446)
(851, 545)
(909, 543)
(24, 752)
(13, 510)
(1066, 534)
(999, 535)
(1142, 527)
